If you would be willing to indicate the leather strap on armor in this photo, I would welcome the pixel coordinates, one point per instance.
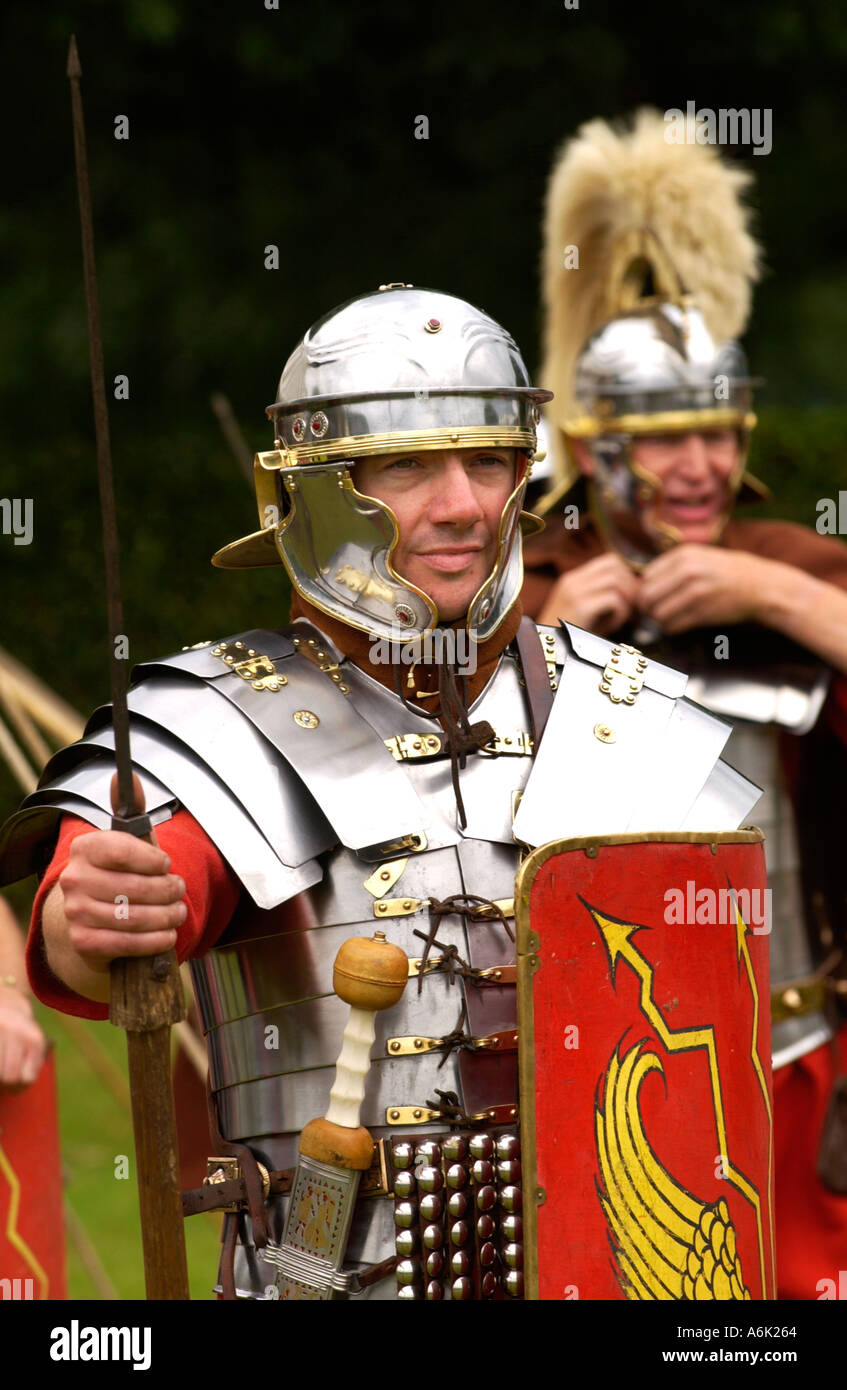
(538, 692)
(216, 1196)
(251, 1176)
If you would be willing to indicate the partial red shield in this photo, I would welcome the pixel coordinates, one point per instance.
(646, 1105)
(32, 1233)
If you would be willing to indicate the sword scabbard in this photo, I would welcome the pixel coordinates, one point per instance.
(369, 975)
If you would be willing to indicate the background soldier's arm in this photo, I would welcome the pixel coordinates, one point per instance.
(22, 1043)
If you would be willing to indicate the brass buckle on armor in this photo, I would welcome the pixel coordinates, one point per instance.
(793, 1001)
(408, 747)
(250, 665)
(393, 849)
(483, 912)
(623, 676)
(505, 1041)
(374, 1182)
(493, 975)
(518, 744)
(424, 1115)
(496, 975)
(486, 912)
(227, 1169)
(433, 964)
(411, 747)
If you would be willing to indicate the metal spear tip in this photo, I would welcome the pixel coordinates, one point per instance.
(74, 65)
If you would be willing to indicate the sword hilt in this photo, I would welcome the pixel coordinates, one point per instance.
(369, 974)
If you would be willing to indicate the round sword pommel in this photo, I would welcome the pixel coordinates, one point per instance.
(337, 1145)
(370, 972)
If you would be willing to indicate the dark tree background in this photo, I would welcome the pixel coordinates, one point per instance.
(295, 126)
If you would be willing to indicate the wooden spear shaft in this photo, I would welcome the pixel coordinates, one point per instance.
(146, 994)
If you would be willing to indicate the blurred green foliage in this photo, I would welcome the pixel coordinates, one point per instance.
(252, 126)
(95, 1130)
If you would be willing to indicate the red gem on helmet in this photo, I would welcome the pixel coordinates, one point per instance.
(433, 325)
(319, 424)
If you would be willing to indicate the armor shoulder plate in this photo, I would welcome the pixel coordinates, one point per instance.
(260, 745)
(302, 711)
(638, 755)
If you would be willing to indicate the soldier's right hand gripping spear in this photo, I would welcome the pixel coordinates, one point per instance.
(146, 993)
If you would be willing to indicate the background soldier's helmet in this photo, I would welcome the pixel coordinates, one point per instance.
(647, 282)
(398, 369)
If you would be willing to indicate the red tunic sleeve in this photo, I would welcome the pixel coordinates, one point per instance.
(212, 892)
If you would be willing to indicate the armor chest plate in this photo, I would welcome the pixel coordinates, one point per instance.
(274, 1025)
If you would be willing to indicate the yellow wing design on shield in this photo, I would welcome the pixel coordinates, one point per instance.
(667, 1243)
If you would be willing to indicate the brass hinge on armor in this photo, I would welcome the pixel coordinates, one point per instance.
(429, 1114)
(413, 747)
(312, 649)
(505, 1041)
(484, 912)
(623, 677)
(250, 665)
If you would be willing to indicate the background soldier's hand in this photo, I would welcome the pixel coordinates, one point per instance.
(23, 1046)
(600, 595)
(697, 585)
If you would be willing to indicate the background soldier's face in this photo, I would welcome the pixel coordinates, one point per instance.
(448, 505)
(694, 470)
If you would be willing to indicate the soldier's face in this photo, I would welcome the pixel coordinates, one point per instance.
(448, 505)
(694, 470)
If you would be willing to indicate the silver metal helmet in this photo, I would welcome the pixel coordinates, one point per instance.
(659, 369)
(655, 370)
(395, 369)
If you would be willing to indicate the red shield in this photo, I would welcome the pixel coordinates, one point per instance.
(32, 1241)
(646, 1104)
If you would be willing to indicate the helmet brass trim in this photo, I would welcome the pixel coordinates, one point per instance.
(663, 422)
(363, 445)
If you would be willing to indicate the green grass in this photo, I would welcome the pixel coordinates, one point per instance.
(95, 1130)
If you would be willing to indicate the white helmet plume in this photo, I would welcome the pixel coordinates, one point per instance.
(609, 190)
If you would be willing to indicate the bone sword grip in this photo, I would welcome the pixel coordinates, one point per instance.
(369, 975)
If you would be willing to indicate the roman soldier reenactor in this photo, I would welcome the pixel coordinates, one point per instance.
(648, 267)
(341, 807)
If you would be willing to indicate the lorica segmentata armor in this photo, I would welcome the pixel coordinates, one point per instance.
(336, 810)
